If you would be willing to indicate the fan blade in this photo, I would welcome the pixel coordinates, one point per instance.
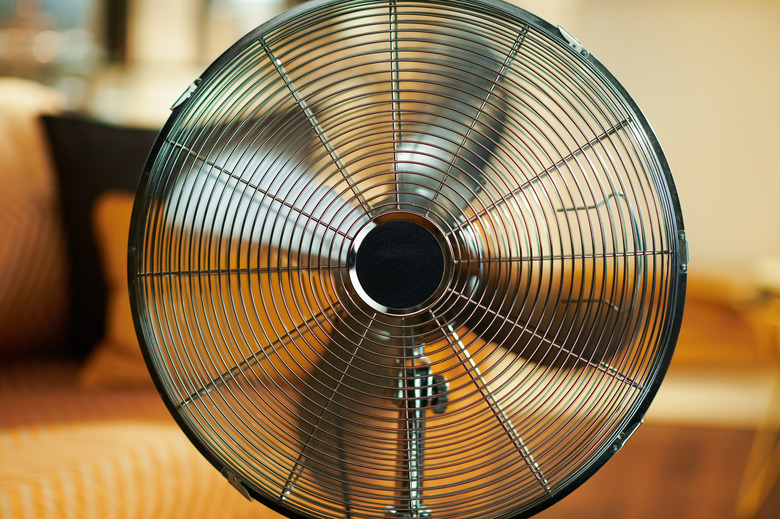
(346, 417)
(557, 316)
(359, 396)
(441, 169)
(444, 154)
(261, 181)
(550, 309)
(284, 210)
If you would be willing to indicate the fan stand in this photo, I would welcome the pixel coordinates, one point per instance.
(396, 266)
(419, 390)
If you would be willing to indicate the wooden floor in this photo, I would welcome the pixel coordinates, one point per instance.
(668, 472)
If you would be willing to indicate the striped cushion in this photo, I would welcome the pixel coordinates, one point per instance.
(46, 393)
(32, 253)
(67, 452)
(102, 470)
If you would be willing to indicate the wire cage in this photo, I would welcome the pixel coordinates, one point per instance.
(407, 259)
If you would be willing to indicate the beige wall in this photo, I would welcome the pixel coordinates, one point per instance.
(706, 73)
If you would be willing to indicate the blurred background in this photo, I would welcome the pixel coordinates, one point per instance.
(706, 75)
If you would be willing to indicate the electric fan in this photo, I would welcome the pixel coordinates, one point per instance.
(407, 258)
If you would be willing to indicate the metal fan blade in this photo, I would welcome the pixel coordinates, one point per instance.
(262, 181)
(441, 170)
(365, 423)
(282, 210)
(444, 154)
(552, 314)
(348, 432)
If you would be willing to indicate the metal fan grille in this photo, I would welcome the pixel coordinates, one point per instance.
(407, 259)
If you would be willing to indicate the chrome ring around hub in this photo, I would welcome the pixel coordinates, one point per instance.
(400, 263)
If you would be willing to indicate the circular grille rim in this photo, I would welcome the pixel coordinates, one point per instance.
(678, 285)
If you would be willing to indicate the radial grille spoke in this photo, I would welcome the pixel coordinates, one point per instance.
(494, 405)
(263, 353)
(544, 173)
(312, 118)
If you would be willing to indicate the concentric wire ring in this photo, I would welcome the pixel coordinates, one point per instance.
(407, 259)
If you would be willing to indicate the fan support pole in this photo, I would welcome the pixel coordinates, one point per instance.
(419, 390)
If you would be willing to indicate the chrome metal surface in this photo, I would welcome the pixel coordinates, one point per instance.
(573, 42)
(407, 258)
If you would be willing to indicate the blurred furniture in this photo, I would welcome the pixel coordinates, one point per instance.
(762, 470)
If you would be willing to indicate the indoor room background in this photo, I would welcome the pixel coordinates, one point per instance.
(707, 76)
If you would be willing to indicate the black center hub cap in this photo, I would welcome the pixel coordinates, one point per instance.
(399, 264)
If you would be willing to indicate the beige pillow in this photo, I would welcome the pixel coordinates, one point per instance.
(116, 360)
(33, 260)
